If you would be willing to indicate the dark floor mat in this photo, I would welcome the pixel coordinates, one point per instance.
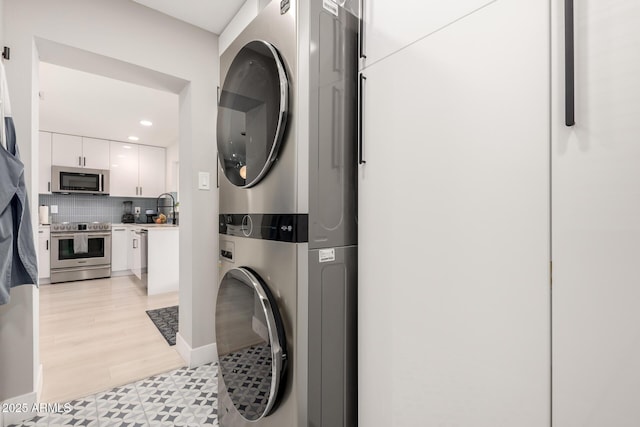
(166, 320)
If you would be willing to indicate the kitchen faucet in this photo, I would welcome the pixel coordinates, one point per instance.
(172, 206)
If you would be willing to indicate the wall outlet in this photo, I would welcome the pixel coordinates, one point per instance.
(54, 209)
(136, 210)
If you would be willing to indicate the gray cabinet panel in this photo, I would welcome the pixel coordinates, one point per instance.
(332, 339)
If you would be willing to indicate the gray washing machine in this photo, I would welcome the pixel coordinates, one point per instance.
(285, 326)
(287, 151)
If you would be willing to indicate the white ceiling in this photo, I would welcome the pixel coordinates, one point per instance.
(80, 103)
(211, 15)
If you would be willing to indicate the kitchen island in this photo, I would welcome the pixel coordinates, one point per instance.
(162, 258)
(150, 252)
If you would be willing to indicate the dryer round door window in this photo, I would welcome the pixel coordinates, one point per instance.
(251, 342)
(252, 114)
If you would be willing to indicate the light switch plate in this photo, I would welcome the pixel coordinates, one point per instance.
(204, 179)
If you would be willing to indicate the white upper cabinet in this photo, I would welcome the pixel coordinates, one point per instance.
(124, 169)
(151, 172)
(392, 25)
(95, 153)
(80, 152)
(66, 150)
(44, 162)
(137, 170)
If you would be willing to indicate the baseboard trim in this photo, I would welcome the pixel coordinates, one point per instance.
(26, 401)
(121, 273)
(196, 356)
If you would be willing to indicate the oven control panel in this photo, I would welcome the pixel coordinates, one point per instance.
(81, 226)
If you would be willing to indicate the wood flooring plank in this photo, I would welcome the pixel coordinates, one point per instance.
(96, 335)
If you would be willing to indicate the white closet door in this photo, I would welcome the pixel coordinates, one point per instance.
(392, 25)
(454, 284)
(596, 220)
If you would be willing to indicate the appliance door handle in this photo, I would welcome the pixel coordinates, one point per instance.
(569, 64)
(101, 182)
(361, 31)
(47, 248)
(337, 44)
(337, 128)
(361, 159)
(90, 235)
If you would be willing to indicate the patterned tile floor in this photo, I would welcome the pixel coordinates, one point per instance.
(184, 397)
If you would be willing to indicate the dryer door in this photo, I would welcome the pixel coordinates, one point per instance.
(251, 343)
(252, 113)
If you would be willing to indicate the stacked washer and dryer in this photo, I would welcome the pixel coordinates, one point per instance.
(286, 305)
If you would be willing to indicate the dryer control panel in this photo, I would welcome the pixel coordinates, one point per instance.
(291, 228)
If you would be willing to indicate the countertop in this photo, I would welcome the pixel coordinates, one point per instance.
(148, 226)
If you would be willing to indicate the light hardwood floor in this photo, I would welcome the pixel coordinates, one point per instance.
(95, 335)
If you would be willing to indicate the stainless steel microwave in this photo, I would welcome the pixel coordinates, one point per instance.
(68, 180)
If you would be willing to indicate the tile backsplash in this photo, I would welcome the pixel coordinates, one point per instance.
(88, 208)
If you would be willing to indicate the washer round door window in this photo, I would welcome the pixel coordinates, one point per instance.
(251, 343)
(252, 113)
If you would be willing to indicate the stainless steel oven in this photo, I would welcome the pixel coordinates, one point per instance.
(80, 251)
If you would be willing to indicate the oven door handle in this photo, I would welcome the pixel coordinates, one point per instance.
(70, 236)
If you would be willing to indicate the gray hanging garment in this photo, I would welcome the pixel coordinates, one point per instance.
(18, 260)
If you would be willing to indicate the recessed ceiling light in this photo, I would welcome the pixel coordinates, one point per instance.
(128, 147)
(145, 123)
(133, 138)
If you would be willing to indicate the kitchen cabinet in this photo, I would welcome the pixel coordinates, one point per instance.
(124, 169)
(77, 151)
(152, 167)
(454, 232)
(390, 26)
(137, 170)
(44, 252)
(131, 243)
(95, 153)
(139, 262)
(134, 261)
(44, 163)
(119, 242)
(596, 218)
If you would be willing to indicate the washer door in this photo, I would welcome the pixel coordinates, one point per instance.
(251, 343)
(252, 113)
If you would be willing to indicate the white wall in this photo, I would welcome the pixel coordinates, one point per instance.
(131, 34)
(173, 159)
(19, 362)
(247, 12)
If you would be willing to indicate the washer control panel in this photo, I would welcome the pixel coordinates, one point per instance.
(292, 228)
